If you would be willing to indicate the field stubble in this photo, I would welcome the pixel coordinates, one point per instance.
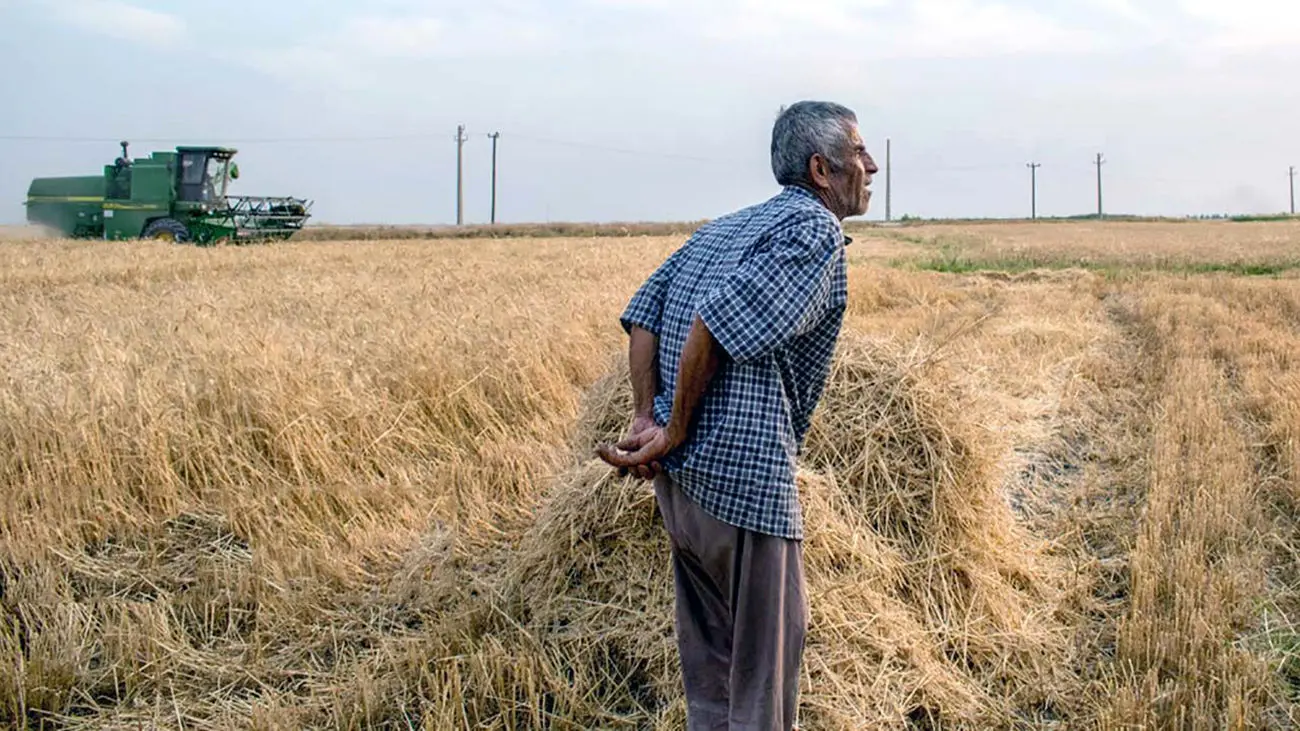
(351, 485)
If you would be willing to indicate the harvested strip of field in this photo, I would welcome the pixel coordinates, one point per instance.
(351, 485)
(1249, 249)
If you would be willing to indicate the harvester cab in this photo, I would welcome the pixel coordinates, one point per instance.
(179, 196)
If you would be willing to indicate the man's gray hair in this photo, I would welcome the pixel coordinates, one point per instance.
(804, 129)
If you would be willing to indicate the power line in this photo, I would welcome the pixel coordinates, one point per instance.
(1033, 188)
(226, 140)
(889, 180)
(371, 138)
(624, 150)
(460, 178)
(494, 137)
(962, 169)
(1099, 163)
(334, 139)
(1291, 174)
(920, 168)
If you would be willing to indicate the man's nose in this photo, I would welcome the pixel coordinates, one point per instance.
(870, 165)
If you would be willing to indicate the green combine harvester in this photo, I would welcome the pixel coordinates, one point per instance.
(170, 196)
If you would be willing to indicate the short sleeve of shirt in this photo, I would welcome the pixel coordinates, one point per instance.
(646, 308)
(776, 292)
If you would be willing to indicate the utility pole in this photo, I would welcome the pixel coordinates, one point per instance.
(1291, 172)
(1100, 161)
(460, 178)
(1033, 188)
(888, 180)
(494, 136)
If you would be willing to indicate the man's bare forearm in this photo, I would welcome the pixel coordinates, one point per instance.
(642, 359)
(701, 356)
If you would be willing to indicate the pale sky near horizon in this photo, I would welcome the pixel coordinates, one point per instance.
(641, 110)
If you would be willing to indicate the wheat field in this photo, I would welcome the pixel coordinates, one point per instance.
(350, 484)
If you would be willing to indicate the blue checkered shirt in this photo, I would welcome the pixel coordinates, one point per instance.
(769, 283)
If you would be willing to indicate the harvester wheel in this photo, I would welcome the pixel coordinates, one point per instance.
(166, 229)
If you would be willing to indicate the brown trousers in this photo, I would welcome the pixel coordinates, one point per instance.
(741, 618)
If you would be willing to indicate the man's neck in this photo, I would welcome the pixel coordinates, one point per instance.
(821, 195)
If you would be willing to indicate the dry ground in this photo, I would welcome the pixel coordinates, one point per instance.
(330, 484)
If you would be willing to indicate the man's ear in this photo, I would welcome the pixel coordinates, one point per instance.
(819, 171)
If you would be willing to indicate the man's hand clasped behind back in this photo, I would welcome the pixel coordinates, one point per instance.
(639, 452)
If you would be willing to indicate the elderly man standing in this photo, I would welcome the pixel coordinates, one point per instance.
(730, 345)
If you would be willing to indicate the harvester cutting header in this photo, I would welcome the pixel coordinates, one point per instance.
(175, 196)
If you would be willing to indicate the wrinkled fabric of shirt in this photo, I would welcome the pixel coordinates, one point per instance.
(769, 282)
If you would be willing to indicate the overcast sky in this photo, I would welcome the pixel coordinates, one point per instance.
(662, 109)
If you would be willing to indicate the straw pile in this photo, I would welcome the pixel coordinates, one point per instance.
(929, 605)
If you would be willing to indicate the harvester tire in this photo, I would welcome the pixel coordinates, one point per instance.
(166, 229)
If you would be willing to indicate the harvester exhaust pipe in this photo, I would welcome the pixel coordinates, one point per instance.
(125, 159)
